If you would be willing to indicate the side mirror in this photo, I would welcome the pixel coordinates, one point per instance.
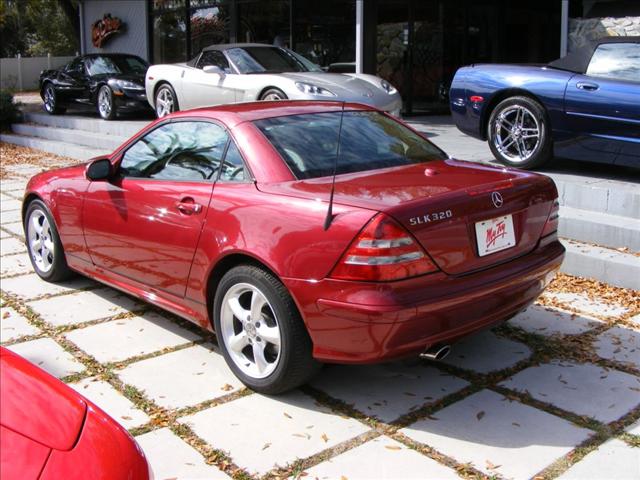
(99, 169)
(213, 69)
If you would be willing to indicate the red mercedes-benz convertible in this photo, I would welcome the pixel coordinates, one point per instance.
(301, 233)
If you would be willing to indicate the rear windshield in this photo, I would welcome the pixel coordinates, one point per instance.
(369, 141)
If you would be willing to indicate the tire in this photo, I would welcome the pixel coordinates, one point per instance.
(166, 101)
(43, 244)
(283, 367)
(272, 94)
(105, 103)
(519, 133)
(51, 101)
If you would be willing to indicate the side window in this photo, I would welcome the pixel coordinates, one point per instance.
(215, 58)
(74, 66)
(181, 151)
(620, 61)
(233, 169)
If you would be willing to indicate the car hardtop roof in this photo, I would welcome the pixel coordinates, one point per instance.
(236, 113)
(578, 60)
(227, 46)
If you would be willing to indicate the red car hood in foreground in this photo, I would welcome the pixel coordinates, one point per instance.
(435, 202)
(47, 430)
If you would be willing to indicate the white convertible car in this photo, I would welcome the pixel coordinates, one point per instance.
(247, 72)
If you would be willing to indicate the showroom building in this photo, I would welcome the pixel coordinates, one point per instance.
(417, 45)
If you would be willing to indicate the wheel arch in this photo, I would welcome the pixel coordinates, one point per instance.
(222, 267)
(30, 197)
(270, 87)
(503, 95)
(157, 86)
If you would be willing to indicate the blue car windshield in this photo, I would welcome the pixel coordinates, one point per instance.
(308, 143)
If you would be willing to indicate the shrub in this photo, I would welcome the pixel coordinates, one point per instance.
(9, 112)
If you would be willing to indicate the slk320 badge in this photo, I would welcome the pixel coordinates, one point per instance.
(430, 217)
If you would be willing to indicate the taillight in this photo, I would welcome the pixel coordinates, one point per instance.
(383, 251)
(552, 221)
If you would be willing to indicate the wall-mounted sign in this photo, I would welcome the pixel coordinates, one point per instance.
(104, 28)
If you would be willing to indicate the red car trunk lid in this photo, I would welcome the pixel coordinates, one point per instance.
(440, 202)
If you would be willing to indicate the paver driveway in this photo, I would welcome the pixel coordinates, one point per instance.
(555, 392)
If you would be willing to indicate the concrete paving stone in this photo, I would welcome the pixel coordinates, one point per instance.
(4, 235)
(590, 307)
(549, 321)
(8, 205)
(170, 457)
(634, 429)
(498, 435)
(9, 246)
(613, 460)
(135, 336)
(15, 227)
(381, 458)
(261, 432)
(13, 325)
(581, 388)
(620, 344)
(84, 306)
(17, 264)
(386, 391)
(12, 216)
(13, 185)
(486, 352)
(29, 287)
(111, 401)
(182, 378)
(48, 355)
(5, 198)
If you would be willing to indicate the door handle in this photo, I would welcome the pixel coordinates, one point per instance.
(187, 206)
(590, 87)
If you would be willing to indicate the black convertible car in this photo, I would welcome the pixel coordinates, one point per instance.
(112, 83)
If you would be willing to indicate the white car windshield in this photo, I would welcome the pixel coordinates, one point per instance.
(269, 60)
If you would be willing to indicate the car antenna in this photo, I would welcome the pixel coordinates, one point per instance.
(329, 218)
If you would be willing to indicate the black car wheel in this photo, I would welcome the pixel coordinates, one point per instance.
(166, 101)
(43, 244)
(260, 331)
(273, 94)
(106, 107)
(50, 98)
(519, 133)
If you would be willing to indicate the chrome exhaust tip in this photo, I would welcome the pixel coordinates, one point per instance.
(436, 352)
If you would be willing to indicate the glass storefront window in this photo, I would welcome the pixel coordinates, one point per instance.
(264, 21)
(325, 32)
(169, 37)
(209, 24)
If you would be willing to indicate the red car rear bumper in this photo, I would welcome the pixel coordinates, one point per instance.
(359, 322)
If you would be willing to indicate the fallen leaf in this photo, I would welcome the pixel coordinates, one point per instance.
(226, 387)
(479, 415)
(266, 445)
(392, 447)
(287, 415)
(125, 417)
(324, 437)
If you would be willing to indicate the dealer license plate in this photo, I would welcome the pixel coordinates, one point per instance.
(495, 234)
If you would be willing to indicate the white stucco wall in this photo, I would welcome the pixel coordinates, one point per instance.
(133, 13)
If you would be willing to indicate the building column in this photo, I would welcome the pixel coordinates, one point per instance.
(564, 27)
(359, 36)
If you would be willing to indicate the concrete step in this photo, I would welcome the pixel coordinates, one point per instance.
(600, 228)
(604, 264)
(87, 123)
(56, 147)
(615, 197)
(80, 137)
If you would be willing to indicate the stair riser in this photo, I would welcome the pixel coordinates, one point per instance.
(85, 139)
(58, 148)
(624, 202)
(599, 234)
(90, 124)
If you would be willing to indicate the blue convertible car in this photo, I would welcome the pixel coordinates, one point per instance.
(584, 106)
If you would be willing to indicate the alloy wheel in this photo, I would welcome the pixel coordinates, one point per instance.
(40, 241)
(250, 330)
(165, 103)
(104, 102)
(273, 96)
(49, 99)
(517, 133)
